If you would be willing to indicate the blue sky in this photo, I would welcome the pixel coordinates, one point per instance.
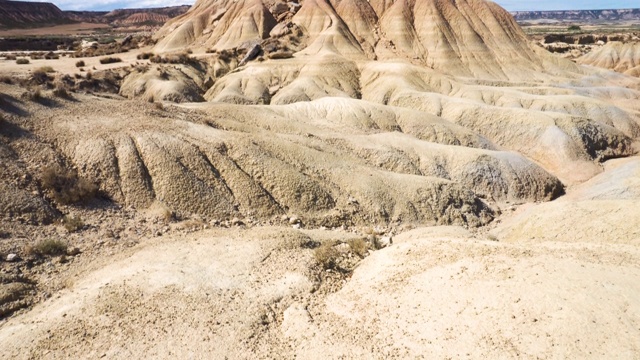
(512, 5)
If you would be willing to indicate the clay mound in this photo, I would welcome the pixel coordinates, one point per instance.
(163, 83)
(602, 210)
(438, 294)
(617, 56)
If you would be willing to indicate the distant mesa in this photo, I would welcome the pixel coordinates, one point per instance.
(579, 15)
(23, 15)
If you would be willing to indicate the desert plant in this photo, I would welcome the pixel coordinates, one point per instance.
(80, 63)
(45, 69)
(358, 246)
(110, 60)
(326, 256)
(145, 56)
(66, 187)
(22, 61)
(574, 28)
(48, 247)
(61, 92)
(72, 223)
(32, 95)
(6, 80)
(10, 57)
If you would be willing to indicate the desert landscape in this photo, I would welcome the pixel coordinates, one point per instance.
(320, 179)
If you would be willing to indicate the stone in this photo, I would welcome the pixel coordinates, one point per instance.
(386, 241)
(13, 258)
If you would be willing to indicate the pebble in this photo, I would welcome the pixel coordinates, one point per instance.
(294, 220)
(386, 241)
(13, 258)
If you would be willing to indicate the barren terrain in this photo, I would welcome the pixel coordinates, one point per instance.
(322, 179)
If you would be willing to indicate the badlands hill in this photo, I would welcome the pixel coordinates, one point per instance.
(306, 133)
(617, 56)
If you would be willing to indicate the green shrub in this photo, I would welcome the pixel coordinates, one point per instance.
(574, 28)
(22, 61)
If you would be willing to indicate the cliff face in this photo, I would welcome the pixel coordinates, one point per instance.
(18, 14)
(579, 15)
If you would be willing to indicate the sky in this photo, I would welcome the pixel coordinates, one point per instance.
(511, 5)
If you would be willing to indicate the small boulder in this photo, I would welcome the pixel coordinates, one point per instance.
(13, 258)
(386, 241)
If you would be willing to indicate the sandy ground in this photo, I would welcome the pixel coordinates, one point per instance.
(67, 65)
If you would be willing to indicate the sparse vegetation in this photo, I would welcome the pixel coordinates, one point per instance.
(22, 61)
(61, 92)
(358, 246)
(145, 56)
(80, 63)
(50, 247)
(72, 223)
(110, 60)
(10, 57)
(66, 187)
(45, 69)
(32, 95)
(574, 28)
(326, 255)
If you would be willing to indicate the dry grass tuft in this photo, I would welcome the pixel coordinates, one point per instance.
(359, 247)
(326, 256)
(66, 187)
(80, 63)
(49, 247)
(72, 223)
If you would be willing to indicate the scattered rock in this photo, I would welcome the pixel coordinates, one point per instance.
(73, 251)
(13, 258)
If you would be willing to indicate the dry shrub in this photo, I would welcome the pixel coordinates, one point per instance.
(358, 246)
(110, 60)
(47, 247)
(72, 223)
(158, 106)
(61, 92)
(66, 187)
(22, 61)
(145, 56)
(326, 256)
(45, 69)
(32, 95)
(6, 79)
(80, 63)
(10, 57)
